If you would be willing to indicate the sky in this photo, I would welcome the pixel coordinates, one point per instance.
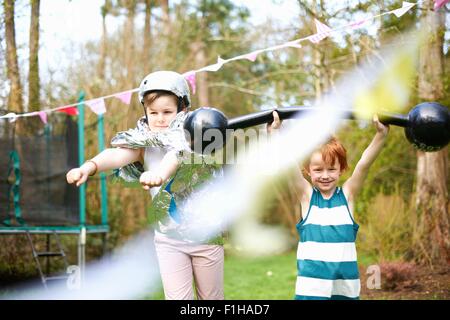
(75, 21)
(65, 25)
(65, 22)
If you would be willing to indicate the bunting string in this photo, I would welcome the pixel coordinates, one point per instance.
(97, 105)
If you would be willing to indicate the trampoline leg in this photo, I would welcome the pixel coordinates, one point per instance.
(45, 277)
(47, 259)
(104, 243)
(36, 260)
(81, 254)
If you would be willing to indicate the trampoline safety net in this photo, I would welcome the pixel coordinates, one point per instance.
(33, 166)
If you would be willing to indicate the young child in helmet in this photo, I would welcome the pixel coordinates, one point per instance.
(166, 99)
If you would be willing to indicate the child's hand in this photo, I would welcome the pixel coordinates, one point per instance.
(149, 180)
(381, 128)
(77, 175)
(276, 123)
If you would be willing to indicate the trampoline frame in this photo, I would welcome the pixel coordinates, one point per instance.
(82, 229)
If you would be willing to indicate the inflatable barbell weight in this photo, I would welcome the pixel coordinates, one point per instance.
(427, 125)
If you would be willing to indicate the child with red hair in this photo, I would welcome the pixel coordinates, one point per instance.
(326, 254)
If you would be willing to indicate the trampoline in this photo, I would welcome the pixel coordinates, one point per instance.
(34, 195)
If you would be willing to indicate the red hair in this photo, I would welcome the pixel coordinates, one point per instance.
(331, 151)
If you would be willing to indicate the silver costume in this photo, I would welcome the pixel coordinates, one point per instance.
(194, 171)
(141, 137)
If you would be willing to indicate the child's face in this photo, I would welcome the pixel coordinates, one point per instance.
(161, 112)
(323, 175)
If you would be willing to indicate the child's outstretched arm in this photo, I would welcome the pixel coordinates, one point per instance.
(108, 159)
(167, 168)
(355, 182)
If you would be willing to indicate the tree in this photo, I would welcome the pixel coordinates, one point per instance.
(147, 34)
(33, 75)
(164, 4)
(105, 10)
(129, 41)
(432, 167)
(3, 78)
(321, 75)
(208, 32)
(198, 50)
(15, 102)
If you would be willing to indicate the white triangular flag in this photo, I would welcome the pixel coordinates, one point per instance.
(97, 105)
(406, 6)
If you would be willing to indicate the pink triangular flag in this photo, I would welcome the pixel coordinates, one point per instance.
(43, 116)
(190, 77)
(251, 56)
(323, 31)
(97, 105)
(439, 3)
(405, 8)
(125, 97)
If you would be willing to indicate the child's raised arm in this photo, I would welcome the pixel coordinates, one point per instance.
(108, 159)
(354, 184)
(303, 187)
(275, 124)
(156, 178)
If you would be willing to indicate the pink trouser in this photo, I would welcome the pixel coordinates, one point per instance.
(181, 263)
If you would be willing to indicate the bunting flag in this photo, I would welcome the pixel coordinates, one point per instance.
(439, 3)
(71, 111)
(11, 116)
(190, 77)
(214, 67)
(97, 105)
(251, 56)
(125, 96)
(406, 6)
(323, 31)
(392, 89)
(43, 116)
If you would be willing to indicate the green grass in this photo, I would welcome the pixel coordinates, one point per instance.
(262, 278)
(271, 277)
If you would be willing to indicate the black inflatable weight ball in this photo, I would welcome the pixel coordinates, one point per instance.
(205, 129)
(429, 126)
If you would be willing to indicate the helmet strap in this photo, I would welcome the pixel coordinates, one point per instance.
(145, 112)
(179, 104)
(186, 101)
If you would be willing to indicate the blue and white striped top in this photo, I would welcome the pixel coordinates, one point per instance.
(326, 255)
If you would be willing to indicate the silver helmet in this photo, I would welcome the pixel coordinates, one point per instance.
(167, 81)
